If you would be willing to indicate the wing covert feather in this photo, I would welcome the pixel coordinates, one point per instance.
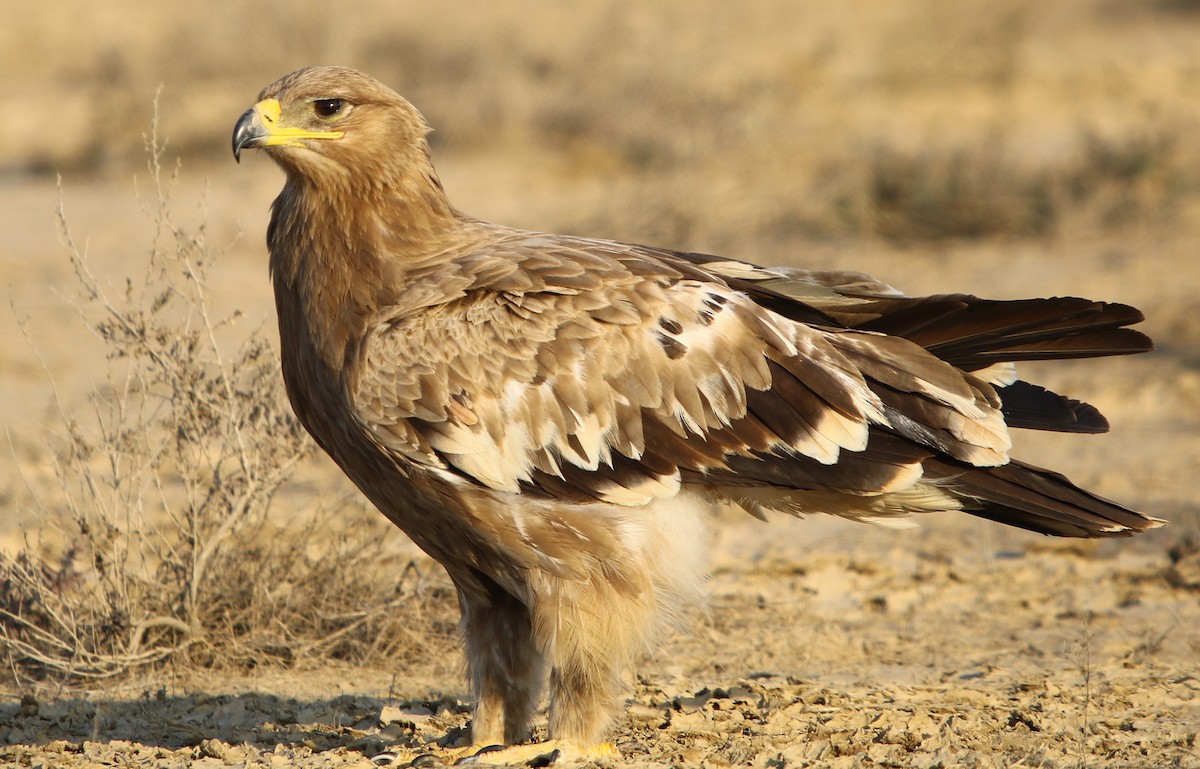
(599, 373)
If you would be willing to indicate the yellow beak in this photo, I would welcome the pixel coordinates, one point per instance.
(259, 127)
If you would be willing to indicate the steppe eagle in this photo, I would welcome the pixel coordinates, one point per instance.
(553, 418)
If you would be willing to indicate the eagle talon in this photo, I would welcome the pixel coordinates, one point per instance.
(476, 757)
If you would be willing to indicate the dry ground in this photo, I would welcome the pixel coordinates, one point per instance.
(1001, 148)
(826, 645)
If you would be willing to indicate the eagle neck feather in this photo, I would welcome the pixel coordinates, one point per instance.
(342, 247)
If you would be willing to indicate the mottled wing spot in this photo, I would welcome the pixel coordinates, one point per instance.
(670, 326)
(672, 346)
(713, 304)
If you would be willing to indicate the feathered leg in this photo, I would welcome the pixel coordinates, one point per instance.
(506, 669)
(600, 630)
(602, 626)
(593, 628)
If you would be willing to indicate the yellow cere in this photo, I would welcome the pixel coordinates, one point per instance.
(269, 110)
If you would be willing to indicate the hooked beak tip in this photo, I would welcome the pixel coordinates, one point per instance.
(246, 133)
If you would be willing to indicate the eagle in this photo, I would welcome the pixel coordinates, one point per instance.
(555, 418)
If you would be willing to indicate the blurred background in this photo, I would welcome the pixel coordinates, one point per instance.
(1000, 147)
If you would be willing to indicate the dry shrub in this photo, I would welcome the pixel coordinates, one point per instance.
(168, 548)
(957, 194)
(986, 190)
(1144, 176)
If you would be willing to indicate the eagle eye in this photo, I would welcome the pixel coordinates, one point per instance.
(329, 107)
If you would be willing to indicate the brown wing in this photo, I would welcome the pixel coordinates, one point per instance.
(596, 371)
(973, 334)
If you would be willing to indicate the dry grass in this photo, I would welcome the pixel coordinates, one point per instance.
(924, 122)
(168, 543)
(985, 191)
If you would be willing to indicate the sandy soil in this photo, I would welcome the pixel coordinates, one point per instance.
(826, 644)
